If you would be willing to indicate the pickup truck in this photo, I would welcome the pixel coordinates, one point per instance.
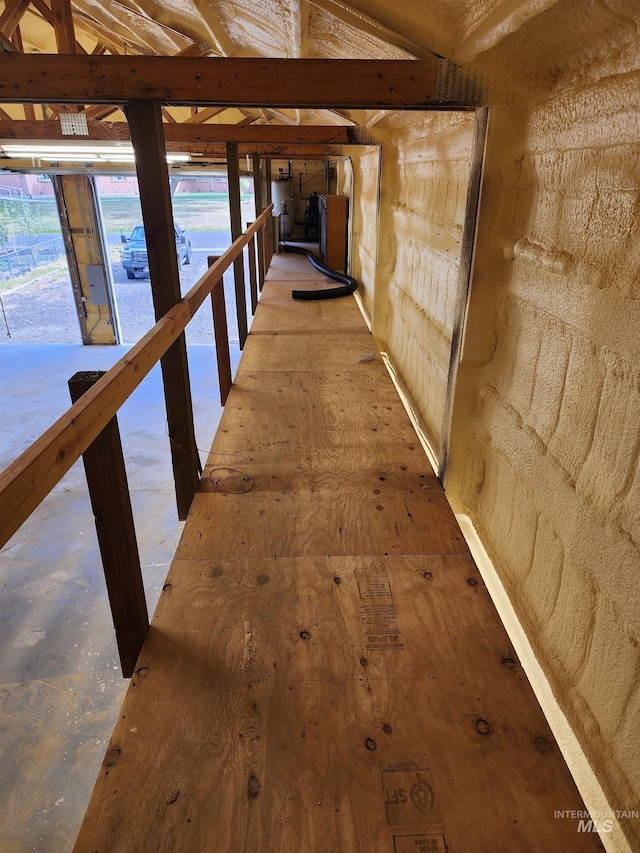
(134, 254)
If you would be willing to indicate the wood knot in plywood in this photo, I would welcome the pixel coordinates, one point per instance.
(248, 649)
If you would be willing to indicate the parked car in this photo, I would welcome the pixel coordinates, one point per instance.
(134, 254)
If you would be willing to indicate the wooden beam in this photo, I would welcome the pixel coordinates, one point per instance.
(99, 49)
(29, 109)
(49, 17)
(110, 39)
(233, 177)
(12, 15)
(5, 116)
(7, 44)
(196, 49)
(191, 132)
(63, 26)
(203, 115)
(282, 117)
(111, 504)
(145, 125)
(167, 116)
(100, 112)
(288, 83)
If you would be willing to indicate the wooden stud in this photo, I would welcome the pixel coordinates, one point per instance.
(257, 191)
(233, 175)
(145, 125)
(221, 334)
(269, 228)
(253, 279)
(111, 505)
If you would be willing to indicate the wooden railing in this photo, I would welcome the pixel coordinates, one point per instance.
(30, 478)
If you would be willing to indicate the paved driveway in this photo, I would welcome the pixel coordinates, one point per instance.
(44, 311)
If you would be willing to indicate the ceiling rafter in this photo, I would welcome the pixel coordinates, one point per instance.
(222, 45)
(367, 24)
(202, 48)
(101, 112)
(204, 115)
(29, 109)
(299, 11)
(282, 117)
(49, 17)
(341, 115)
(12, 15)
(63, 26)
(7, 44)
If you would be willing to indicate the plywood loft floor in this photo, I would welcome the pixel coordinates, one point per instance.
(325, 670)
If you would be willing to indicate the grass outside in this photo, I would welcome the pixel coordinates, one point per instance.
(53, 269)
(192, 211)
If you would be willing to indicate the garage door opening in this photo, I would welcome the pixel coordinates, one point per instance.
(37, 299)
(35, 289)
(201, 215)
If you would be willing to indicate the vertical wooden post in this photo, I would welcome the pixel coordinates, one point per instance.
(145, 125)
(267, 202)
(221, 335)
(257, 190)
(233, 174)
(111, 505)
(253, 278)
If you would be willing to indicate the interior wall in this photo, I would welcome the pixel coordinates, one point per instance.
(545, 432)
(545, 438)
(407, 254)
(359, 179)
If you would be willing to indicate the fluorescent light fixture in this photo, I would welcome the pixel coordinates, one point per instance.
(83, 153)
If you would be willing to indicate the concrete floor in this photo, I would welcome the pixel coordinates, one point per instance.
(60, 681)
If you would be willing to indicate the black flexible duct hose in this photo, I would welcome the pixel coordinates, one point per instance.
(349, 284)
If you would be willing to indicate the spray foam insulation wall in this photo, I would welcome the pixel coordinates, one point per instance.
(545, 434)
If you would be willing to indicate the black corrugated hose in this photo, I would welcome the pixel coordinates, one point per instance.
(349, 284)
